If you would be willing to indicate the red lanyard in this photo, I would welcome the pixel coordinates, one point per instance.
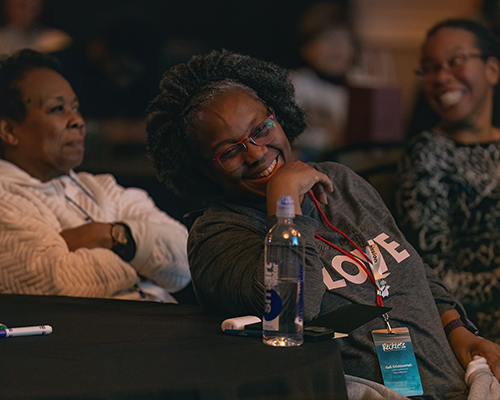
(356, 259)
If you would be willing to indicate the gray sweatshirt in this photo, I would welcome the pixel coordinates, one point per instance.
(226, 256)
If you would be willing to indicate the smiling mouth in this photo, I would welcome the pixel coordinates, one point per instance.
(267, 171)
(450, 98)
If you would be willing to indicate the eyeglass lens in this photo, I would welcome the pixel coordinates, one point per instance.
(234, 157)
(452, 64)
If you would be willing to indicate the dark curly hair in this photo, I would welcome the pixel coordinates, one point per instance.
(12, 70)
(185, 88)
(485, 40)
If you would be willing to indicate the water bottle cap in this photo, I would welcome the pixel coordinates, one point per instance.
(285, 207)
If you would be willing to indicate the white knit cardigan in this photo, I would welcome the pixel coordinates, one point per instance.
(34, 258)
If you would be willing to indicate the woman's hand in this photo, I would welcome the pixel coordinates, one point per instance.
(90, 236)
(466, 345)
(295, 179)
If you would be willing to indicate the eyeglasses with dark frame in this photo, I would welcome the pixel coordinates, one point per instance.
(453, 64)
(234, 157)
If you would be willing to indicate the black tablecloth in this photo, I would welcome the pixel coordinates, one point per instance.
(118, 349)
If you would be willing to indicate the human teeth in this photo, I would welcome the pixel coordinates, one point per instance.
(268, 170)
(450, 97)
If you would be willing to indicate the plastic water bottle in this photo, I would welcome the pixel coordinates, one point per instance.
(283, 280)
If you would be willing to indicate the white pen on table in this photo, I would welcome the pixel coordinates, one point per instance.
(26, 331)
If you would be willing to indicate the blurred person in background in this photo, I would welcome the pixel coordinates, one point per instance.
(423, 116)
(21, 28)
(449, 194)
(67, 233)
(329, 46)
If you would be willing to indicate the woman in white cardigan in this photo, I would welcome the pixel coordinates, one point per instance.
(67, 233)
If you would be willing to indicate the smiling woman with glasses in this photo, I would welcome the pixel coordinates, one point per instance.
(221, 129)
(449, 193)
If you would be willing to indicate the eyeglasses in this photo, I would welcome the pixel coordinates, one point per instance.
(453, 65)
(234, 157)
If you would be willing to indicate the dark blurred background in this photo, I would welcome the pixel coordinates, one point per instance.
(261, 28)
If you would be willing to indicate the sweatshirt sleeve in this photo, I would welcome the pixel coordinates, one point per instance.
(34, 258)
(226, 254)
(444, 300)
(161, 254)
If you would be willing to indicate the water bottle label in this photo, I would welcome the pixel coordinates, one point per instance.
(273, 304)
(300, 316)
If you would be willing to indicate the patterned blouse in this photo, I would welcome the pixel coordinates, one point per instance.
(448, 203)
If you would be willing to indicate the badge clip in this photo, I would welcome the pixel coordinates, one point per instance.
(389, 328)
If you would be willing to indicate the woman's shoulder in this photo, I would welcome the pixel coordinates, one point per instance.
(347, 183)
(426, 150)
(340, 174)
(426, 140)
(94, 179)
(332, 167)
(225, 212)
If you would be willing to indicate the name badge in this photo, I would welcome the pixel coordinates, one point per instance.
(397, 361)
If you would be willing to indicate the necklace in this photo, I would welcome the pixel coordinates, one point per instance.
(88, 217)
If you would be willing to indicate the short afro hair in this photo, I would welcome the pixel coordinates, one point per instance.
(12, 70)
(171, 147)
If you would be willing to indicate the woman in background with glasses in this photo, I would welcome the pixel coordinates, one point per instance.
(222, 128)
(449, 194)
